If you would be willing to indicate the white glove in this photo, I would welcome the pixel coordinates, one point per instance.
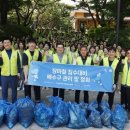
(114, 87)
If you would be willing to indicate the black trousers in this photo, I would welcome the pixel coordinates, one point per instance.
(77, 96)
(128, 97)
(37, 92)
(58, 92)
(0, 76)
(124, 96)
(110, 98)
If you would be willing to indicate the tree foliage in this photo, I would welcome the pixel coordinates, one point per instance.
(38, 13)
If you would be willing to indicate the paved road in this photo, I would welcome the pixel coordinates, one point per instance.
(35, 127)
(69, 96)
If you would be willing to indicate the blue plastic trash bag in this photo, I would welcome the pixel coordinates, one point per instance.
(93, 105)
(43, 115)
(119, 117)
(104, 105)
(84, 106)
(2, 111)
(106, 118)
(25, 111)
(95, 119)
(11, 115)
(77, 117)
(60, 110)
(2, 101)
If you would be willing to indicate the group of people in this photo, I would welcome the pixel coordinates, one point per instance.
(15, 64)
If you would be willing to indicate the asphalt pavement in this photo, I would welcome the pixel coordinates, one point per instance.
(69, 96)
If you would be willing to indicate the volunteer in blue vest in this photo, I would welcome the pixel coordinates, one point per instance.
(31, 54)
(59, 58)
(112, 61)
(125, 81)
(10, 69)
(83, 59)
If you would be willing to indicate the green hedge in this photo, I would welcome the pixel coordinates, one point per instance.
(15, 30)
(110, 34)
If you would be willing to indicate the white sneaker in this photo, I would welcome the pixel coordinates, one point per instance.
(18, 89)
(0, 88)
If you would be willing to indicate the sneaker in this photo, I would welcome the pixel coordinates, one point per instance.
(0, 88)
(18, 89)
(119, 92)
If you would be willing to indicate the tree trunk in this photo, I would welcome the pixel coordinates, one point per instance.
(18, 17)
(4, 11)
(122, 9)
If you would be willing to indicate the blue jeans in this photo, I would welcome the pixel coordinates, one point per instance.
(12, 82)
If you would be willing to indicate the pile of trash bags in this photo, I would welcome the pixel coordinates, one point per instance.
(25, 108)
(62, 114)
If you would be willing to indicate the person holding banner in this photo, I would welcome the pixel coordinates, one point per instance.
(83, 59)
(59, 58)
(10, 69)
(112, 61)
(31, 54)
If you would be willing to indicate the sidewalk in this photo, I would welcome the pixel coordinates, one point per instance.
(69, 96)
(36, 127)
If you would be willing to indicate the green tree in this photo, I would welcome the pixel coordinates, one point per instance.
(24, 10)
(3, 11)
(56, 16)
(124, 10)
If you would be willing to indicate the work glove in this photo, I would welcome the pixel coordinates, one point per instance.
(114, 87)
